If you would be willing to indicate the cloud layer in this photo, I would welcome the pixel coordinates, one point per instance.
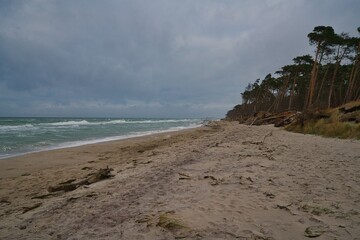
(160, 58)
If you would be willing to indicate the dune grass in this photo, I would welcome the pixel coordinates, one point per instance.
(331, 126)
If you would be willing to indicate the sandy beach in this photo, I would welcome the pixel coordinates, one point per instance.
(221, 181)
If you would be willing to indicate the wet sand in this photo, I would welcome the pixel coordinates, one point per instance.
(223, 181)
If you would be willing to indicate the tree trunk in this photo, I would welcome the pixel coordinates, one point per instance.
(348, 93)
(339, 57)
(281, 94)
(352, 81)
(292, 92)
(313, 79)
(321, 86)
(332, 83)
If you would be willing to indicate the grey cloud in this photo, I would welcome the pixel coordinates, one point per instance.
(149, 58)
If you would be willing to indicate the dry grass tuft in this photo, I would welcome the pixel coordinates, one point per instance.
(169, 222)
(329, 124)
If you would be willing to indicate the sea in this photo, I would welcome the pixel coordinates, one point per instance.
(19, 136)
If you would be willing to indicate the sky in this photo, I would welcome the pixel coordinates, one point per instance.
(158, 58)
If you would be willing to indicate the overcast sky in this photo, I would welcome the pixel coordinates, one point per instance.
(150, 58)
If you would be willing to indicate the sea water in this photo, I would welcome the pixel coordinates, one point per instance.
(23, 135)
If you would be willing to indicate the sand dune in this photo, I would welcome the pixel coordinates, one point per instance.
(223, 181)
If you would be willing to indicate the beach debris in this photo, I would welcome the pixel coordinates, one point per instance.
(314, 219)
(252, 142)
(72, 199)
(213, 181)
(25, 174)
(22, 227)
(36, 205)
(314, 231)
(245, 180)
(249, 179)
(5, 201)
(153, 153)
(278, 119)
(184, 176)
(86, 168)
(63, 187)
(269, 195)
(44, 196)
(91, 195)
(147, 162)
(68, 181)
(284, 206)
(173, 224)
(145, 219)
(94, 177)
(99, 175)
(215, 125)
(249, 234)
(315, 209)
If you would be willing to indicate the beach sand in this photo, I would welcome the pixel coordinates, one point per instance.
(222, 181)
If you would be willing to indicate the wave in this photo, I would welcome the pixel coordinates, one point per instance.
(164, 121)
(126, 136)
(66, 123)
(24, 127)
(43, 145)
(82, 122)
(73, 123)
(118, 121)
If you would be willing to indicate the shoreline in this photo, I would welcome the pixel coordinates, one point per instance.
(220, 181)
(36, 160)
(100, 140)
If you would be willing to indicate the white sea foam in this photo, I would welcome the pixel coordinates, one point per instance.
(85, 122)
(163, 121)
(117, 121)
(127, 136)
(66, 123)
(46, 133)
(106, 139)
(6, 128)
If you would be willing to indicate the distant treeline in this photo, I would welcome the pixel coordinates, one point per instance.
(329, 79)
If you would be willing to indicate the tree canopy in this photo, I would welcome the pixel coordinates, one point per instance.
(328, 79)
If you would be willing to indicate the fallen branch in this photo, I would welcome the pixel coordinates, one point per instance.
(184, 176)
(93, 178)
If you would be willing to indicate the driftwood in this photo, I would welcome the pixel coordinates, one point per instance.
(350, 108)
(92, 178)
(45, 196)
(278, 119)
(351, 117)
(287, 120)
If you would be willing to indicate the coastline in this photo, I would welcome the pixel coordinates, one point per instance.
(220, 181)
(39, 159)
(32, 135)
